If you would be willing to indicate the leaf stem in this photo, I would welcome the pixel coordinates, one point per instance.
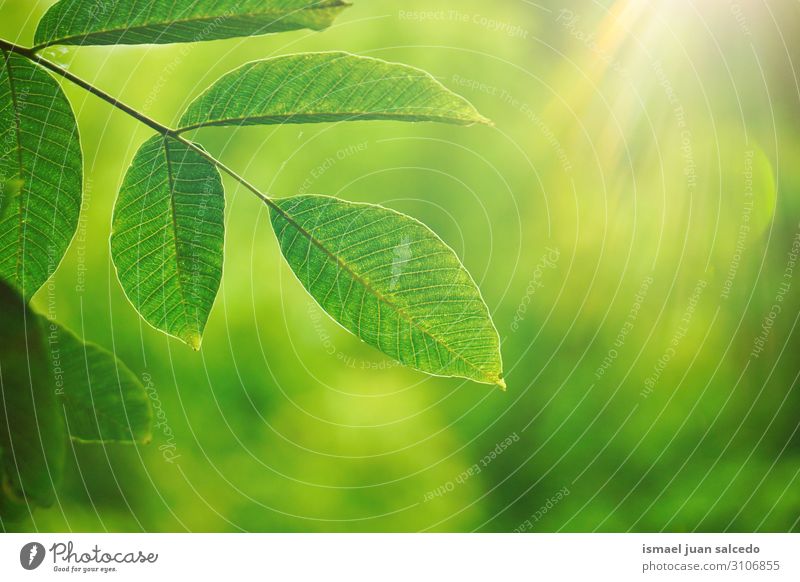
(31, 55)
(153, 124)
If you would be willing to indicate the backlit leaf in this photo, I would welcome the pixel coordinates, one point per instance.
(40, 174)
(168, 235)
(323, 87)
(392, 282)
(104, 22)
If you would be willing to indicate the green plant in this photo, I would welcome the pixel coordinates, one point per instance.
(382, 275)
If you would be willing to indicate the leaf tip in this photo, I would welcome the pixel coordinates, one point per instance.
(194, 340)
(335, 7)
(500, 383)
(485, 121)
(342, 5)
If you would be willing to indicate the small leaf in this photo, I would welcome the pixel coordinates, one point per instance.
(104, 22)
(168, 235)
(103, 400)
(392, 282)
(32, 435)
(40, 174)
(324, 87)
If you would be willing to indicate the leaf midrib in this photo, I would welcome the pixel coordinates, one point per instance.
(380, 296)
(174, 238)
(349, 115)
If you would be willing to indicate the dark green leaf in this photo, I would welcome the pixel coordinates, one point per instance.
(391, 281)
(32, 434)
(322, 87)
(40, 174)
(12, 508)
(103, 22)
(103, 400)
(168, 235)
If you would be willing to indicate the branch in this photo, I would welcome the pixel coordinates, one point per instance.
(31, 55)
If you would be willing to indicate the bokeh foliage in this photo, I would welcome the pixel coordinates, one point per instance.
(630, 140)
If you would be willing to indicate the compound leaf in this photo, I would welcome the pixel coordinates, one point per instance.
(392, 282)
(103, 400)
(324, 87)
(168, 235)
(105, 22)
(40, 174)
(32, 435)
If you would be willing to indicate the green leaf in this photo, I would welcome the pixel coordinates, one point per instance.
(32, 434)
(40, 174)
(168, 235)
(103, 400)
(392, 282)
(324, 87)
(104, 22)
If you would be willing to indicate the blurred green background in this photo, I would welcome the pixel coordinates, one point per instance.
(630, 219)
